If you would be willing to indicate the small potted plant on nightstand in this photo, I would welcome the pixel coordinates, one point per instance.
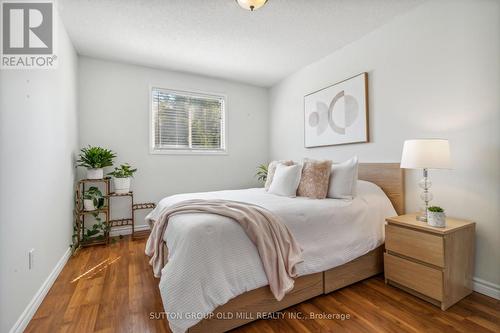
(436, 217)
(93, 199)
(121, 178)
(95, 159)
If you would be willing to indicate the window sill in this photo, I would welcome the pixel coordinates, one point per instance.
(187, 152)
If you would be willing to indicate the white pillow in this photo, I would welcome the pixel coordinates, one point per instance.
(286, 180)
(343, 179)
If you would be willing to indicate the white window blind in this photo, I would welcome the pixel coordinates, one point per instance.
(184, 121)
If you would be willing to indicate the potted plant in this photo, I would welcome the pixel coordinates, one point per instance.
(121, 178)
(262, 173)
(436, 217)
(92, 199)
(95, 159)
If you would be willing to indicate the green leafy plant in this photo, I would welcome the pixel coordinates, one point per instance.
(98, 229)
(74, 246)
(94, 194)
(97, 232)
(435, 209)
(262, 173)
(95, 157)
(124, 171)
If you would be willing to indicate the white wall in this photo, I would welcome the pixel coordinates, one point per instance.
(434, 72)
(38, 139)
(114, 113)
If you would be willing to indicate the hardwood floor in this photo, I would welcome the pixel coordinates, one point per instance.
(112, 289)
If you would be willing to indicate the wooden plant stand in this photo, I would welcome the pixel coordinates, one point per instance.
(130, 221)
(80, 213)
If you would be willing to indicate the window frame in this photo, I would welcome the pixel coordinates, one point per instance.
(182, 151)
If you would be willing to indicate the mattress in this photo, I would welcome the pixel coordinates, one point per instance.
(211, 260)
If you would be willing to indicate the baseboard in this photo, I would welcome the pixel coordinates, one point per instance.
(30, 310)
(126, 230)
(486, 288)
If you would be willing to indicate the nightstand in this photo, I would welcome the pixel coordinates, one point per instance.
(435, 264)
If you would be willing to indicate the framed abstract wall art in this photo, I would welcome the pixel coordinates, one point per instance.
(337, 114)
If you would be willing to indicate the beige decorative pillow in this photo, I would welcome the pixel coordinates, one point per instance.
(271, 169)
(315, 179)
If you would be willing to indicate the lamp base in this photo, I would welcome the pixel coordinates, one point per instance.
(421, 217)
(426, 196)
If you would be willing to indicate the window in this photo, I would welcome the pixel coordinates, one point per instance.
(185, 122)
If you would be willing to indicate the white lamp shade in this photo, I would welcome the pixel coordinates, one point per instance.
(426, 153)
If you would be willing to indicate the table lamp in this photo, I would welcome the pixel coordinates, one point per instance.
(426, 154)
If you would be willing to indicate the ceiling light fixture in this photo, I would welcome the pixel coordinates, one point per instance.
(251, 4)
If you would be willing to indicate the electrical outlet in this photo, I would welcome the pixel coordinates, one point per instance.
(31, 259)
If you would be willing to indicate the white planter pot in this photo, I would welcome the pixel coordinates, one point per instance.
(436, 219)
(122, 185)
(95, 173)
(88, 205)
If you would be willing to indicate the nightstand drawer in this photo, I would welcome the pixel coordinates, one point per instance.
(423, 279)
(415, 244)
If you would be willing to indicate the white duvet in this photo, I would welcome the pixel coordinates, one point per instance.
(211, 260)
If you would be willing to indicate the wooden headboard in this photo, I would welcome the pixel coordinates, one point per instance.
(390, 177)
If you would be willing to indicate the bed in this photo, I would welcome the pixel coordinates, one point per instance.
(213, 278)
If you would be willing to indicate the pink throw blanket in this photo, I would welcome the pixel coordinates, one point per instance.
(278, 249)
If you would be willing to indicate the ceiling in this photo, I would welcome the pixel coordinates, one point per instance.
(217, 38)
